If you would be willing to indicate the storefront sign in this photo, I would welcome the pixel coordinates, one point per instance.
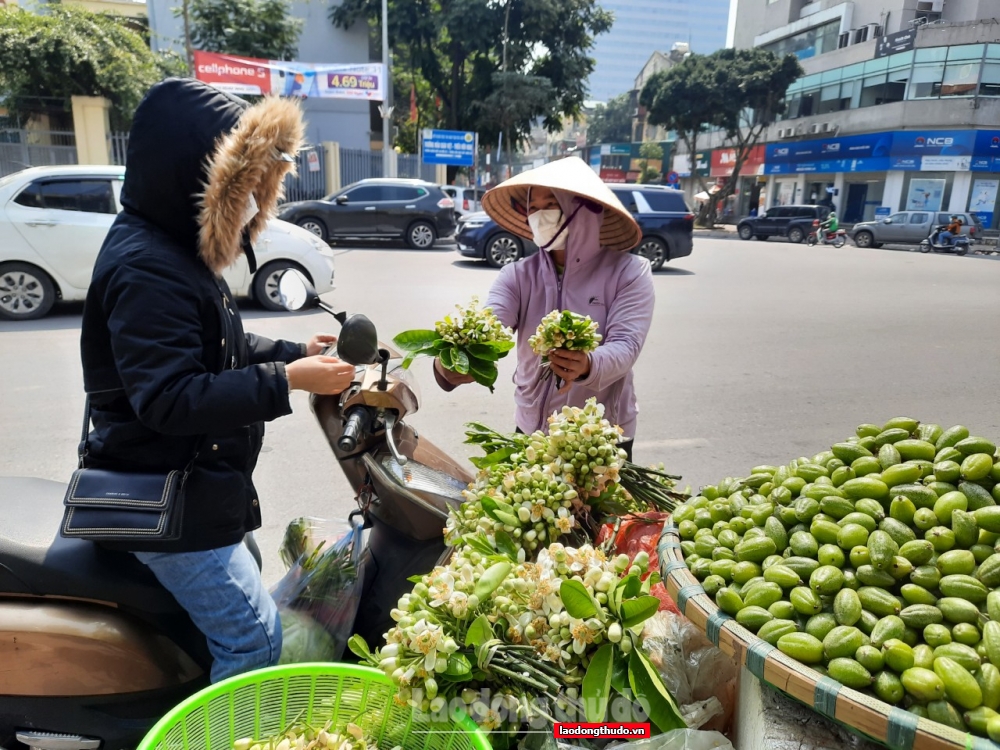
(932, 151)
(613, 175)
(890, 44)
(925, 195)
(882, 212)
(247, 75)
(456, 147)
(616, 149)
(682, 164)
(724, 161)
(984, 199)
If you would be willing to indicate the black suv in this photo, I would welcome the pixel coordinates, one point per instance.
(664, 217)
(415, 210)
(793, 222)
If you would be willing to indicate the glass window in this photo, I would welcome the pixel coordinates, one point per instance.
(810, 82)
(877, 65)
(366, 194)
(993, 52)
(902, 60)
(399, 193)
(898, 218)
(960, 79)
(966, 52)
(918, 218)
(663, 200)
(990, 85)
(931, 54)
(852, 71)
(944, 218)
(92, 196)
(873, 90)
(830, 76)
(628, 200)
(895, 89)
(809, 104)
(926, 81)
(31, 196)
(450, 191)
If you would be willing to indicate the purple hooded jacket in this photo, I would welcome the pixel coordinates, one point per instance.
(615, 289)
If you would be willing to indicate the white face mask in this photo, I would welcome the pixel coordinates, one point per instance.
(544, 225)
(250, 211)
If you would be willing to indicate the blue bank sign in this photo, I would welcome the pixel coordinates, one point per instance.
(906, 150)
(454, 147)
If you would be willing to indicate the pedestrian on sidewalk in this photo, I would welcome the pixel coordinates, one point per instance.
(584, 235)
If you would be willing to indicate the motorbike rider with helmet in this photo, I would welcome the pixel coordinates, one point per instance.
(830, 225)
(168, 368)
(947, 236)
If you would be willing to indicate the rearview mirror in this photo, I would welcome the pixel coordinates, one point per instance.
(341, 200)
(887, 221)
(296, 292)
(358, 342)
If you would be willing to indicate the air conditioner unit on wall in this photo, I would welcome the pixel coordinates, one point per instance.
(829, 127)
(814, 128)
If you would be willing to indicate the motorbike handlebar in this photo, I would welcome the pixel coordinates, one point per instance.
(357, 425)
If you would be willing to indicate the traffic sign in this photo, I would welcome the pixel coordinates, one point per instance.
(673, 178)
(454, 147)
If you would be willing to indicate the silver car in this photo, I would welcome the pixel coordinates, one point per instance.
(912, 228)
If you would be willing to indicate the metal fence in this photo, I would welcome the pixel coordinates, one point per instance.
(310, 183)
(118, 143)
(20, 149)
(362, 164)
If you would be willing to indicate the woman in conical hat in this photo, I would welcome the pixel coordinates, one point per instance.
(584, 235)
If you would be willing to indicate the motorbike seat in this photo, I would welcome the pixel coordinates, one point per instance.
(36, 560)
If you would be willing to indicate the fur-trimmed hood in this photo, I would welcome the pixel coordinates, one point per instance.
(196, 154)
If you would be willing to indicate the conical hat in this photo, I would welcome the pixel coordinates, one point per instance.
(507, 202)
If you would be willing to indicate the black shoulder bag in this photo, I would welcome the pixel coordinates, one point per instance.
(103, 505)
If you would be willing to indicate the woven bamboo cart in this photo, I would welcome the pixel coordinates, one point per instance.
(862, 714)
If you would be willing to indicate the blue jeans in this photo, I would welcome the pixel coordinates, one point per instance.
(222, 591)
(945, 238)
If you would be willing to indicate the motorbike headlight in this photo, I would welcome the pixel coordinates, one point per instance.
(424, 480)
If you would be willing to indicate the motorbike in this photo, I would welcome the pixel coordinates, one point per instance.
(94, 651)
(959, 244)
(837, 239)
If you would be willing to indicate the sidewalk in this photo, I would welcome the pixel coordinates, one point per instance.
(720, 232)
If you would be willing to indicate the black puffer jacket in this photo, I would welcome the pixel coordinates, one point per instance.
(166, 362)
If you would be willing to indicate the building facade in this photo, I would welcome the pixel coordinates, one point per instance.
(899, 107)
(345, 121)
(643, 26)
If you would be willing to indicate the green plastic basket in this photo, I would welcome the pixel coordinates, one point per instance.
(264, 703)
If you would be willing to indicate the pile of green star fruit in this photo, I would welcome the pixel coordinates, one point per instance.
(876, 563)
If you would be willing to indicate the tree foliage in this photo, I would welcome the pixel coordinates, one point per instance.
(47, 59)
(251, 28)
(611, 122)
(481, 79)
(738, 91)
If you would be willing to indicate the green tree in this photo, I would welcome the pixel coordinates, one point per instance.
(649, 152)
(611, 122)
(485, 61)
(46, 59)
(739, 92)
(251, 28)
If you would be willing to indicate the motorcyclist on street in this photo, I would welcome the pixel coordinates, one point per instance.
(947, 237)
(830, 225)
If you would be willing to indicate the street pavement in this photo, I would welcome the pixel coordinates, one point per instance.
(759, 352)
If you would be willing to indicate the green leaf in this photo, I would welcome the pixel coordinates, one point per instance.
(652, 694)
(633, 587)
(413, 341)
(635, 611)
(359, 648)
(448, 358)
(619, 672)
(491, 579)
(479, 631)
(494, 458)
(461, 362)
(597, 683)
(616, 599)
(479, 543)
(485, 373)
(415, 579)
(506, 545)
(501, 347)
(651, 580)
(459, 666)
(577, 600)
(490, 507)
(482, 351)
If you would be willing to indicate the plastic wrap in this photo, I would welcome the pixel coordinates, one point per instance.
(318, 597)
(695, 671)
(640, 533)
(679, 739)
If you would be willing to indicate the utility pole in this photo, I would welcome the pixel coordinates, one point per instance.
(187, 38)
(386, 109)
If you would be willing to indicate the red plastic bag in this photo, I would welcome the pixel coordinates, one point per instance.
(637, 533)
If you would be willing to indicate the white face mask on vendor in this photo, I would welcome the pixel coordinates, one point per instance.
(250, 211)
(544, 225)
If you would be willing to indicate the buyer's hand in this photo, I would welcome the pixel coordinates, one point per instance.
(319, 343)
(450, 376)
(324, 376)
(569, 366)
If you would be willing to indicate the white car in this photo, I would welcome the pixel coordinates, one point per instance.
(467, 200)
(53, 221)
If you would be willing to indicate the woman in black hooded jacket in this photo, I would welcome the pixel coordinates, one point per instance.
(169, 371)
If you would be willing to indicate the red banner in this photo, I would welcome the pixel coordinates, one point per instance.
(724, 159)
(613, 175)
(238, 75)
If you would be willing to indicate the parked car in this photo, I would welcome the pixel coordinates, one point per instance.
(666, 221)
(415, 210)
(793, 222)
(53, 221)
(912, 228)
(467, 200)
